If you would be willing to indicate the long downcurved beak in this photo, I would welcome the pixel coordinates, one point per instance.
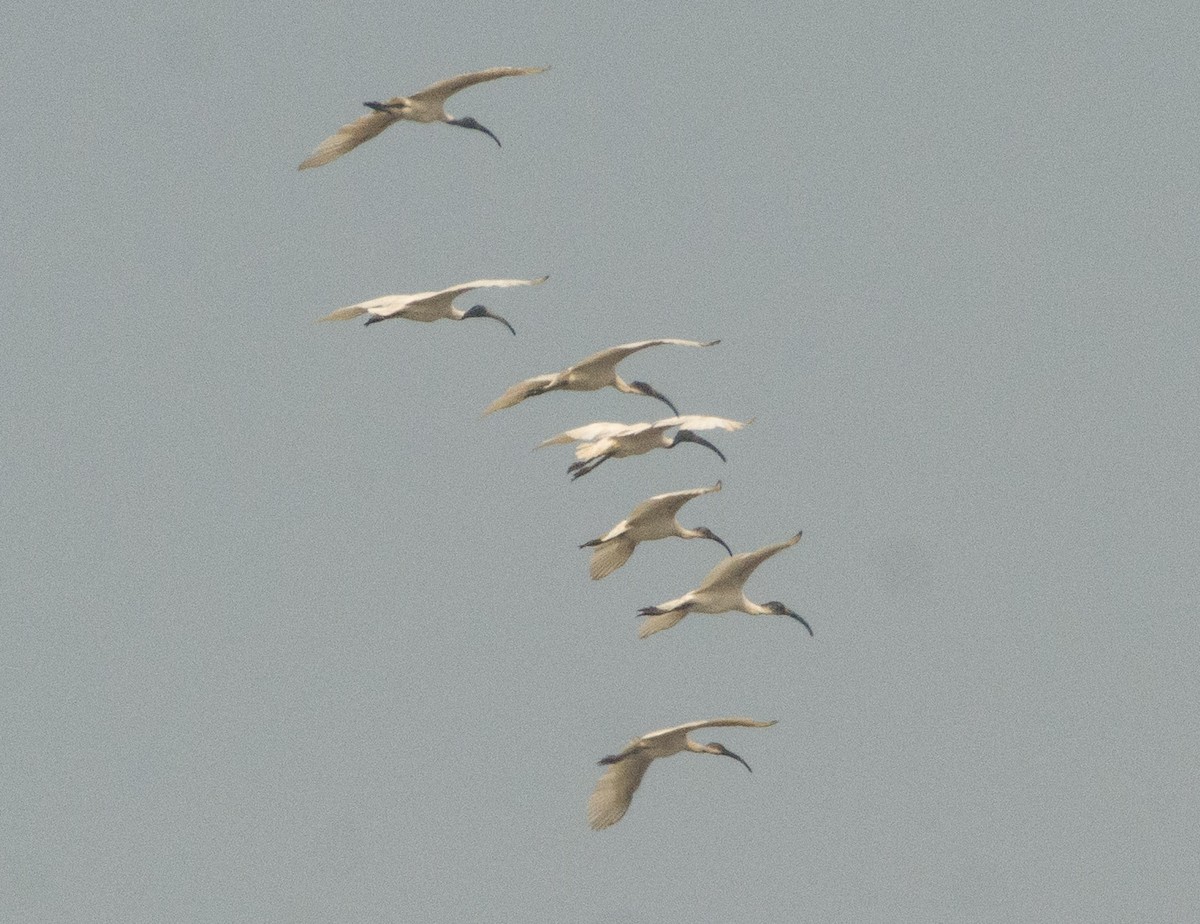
(650, 392)
(687, 436)
(725, 752)
(479, 311)
(468, 122)
(380, 107)
(496, 317)
(800, 619)
(709, 534)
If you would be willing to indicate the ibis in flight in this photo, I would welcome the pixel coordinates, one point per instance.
(426, 105)
(651, 519)
(597, 371)
(430, 306)
(604, 440)
(614, 791)
(721, 592)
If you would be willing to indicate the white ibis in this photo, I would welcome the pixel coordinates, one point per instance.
(604, 440)
(597, 371)
(430, 306)
(426, 105)
(651, 519)
(721, 592)
(614, 791)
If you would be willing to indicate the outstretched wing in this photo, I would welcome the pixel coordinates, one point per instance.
(519, 392)
(660, 622)
(615, 788)
(614, 355)
(454, 291)
(443, 89)
(610, 555)
(344, 314)
(348, 137)
(709, 723)
(736, 569)
(668, 504)
(700, 422)
(383, 307)
(441, 299)
(589, 433)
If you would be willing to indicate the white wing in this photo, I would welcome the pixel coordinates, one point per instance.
(431, 305)
(519, 392)
(443, 89)
(610, 555)
(618, 530)
(667, 505)
(344, 314)
(453, 291)
(383, 307)
(707, 723)
(614, 790)
(589, 433)
(735, 570)
(660, 622)
(614, 355)
(700, 422)
(348, 137)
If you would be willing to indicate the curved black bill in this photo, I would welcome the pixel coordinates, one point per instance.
(728, 753)
(479, 311)
(468, 122)
(650, 392)
(687, 436)
(800, 619)
(715, 538)
(496, 317)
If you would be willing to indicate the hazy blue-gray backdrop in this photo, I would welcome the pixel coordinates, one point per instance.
(292, 634)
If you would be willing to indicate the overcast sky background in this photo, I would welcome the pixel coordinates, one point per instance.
(292, 634)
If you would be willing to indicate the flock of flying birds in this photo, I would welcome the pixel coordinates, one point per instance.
(722, 590)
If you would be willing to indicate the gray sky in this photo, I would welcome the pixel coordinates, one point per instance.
(292, 634)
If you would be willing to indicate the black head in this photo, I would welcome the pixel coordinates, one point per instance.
(780, 610)
(468, 122)
(687, 436)
(709, 534)
(716, 748)
(479, 311)
(646, 389)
